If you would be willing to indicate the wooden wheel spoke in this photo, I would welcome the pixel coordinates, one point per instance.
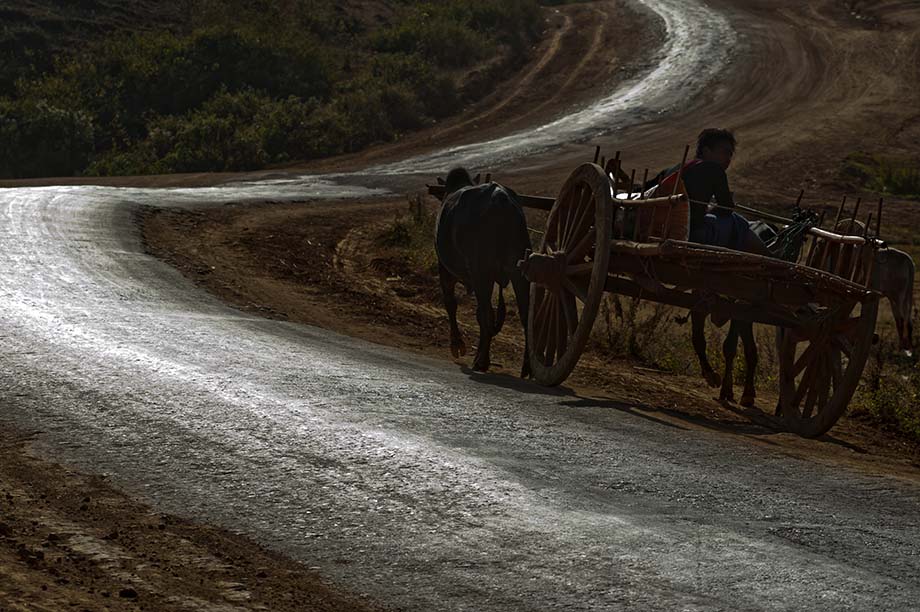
(844, 345)
(848, 327)
(562, 330)
(578, 252)
(814, 390)
(540, 325)
(804, 359)
(584, 214)
(582, 269)
(825, 377)
(805, 383)
(836, 369)
(574, 287)
(571, 313)
(552, 323)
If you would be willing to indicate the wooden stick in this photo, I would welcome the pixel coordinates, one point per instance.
(798, 201)
(632, 181)
(488, 177)
(603, 162)
(855, 212)
(878, 219)
(680, 171)
(597, 153)
(839, 213)
(862, 250)
(638, 212)
(811, 249)
(644, 181)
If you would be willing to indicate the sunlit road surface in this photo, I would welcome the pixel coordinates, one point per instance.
(402, 477)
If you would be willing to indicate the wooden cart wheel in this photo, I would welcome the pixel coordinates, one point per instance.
(568, 273)
(818, 375)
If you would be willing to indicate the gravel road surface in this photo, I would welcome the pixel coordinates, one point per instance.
(433, 488)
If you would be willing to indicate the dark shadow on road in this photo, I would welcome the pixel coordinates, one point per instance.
(759, 424)
(631, 409)
(514, 383)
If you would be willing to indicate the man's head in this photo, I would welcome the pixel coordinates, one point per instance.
(716, 145)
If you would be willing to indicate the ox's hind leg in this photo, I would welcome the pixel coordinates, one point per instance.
(448, 283)
(698, 322)
(729, 350)
(522, 297)
(750, 363)
(500, 312)
(484, 314)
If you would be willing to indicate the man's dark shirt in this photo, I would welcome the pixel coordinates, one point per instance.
(703, 180)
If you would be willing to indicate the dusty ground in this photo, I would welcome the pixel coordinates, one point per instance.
(70, 542)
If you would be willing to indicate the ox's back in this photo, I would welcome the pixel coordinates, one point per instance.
(481, 229)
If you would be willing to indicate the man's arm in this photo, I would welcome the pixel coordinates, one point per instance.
(720, 190)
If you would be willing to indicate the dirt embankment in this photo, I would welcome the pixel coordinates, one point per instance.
(70, 542)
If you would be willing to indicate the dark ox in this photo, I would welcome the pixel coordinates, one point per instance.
(481, 235)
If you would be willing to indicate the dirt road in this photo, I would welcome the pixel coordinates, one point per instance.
(425, 486)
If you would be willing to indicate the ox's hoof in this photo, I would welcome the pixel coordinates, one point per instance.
(747, 400)
(457, 348)
(481, 363)
(727, 395)
(712, 379)
(525, 371)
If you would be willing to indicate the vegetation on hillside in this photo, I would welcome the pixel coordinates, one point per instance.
(255, 83)
(884, 174)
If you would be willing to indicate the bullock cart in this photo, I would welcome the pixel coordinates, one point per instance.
(598, 240)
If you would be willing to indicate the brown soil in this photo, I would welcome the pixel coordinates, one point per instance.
(70, 542)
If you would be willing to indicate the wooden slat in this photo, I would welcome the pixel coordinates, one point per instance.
(716, 304)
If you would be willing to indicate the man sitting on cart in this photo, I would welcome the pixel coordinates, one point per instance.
(705, 180)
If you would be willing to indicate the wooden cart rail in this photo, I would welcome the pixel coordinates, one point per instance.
(719, 261)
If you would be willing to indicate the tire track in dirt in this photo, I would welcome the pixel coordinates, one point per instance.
(523, 84)
(592, 55)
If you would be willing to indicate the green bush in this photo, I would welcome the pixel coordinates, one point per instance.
(38, 139)
(884, 175)
(299, 80)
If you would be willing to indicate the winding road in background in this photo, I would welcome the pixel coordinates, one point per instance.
(426, 487)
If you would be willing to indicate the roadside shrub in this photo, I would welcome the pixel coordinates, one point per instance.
(890, 392)
(448, 43)
(39, 139)
(223, 135)
(884, 175)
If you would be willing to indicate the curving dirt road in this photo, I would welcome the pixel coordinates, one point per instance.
(431, 488)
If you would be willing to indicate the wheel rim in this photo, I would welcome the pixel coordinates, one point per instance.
(568, 273)
(820, 373)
